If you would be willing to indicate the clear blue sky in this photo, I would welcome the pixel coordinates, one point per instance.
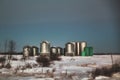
(29, 22)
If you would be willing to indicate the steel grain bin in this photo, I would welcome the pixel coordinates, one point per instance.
(69, 49)
(83, 45)
(45, 48)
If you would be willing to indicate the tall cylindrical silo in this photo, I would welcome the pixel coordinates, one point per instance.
(75, 48)
(78, 49)
(86, 49)
(69, 49)
(45, 47)
(83, 45)
(91, 51)
(60, 51)
(26, 51)
(83, 53)
(53, 50)
(34, 50)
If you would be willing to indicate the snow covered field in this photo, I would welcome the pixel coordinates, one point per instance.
(76, 68)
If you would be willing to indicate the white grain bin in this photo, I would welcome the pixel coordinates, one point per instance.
(53, 50)
(78, 49)
(69, 49)
(45, 47)
(83, 45)
(74, 43)
(26, 51)
(59, 51)
(34, 50)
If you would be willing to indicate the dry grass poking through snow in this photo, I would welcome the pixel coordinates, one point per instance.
(107, 70)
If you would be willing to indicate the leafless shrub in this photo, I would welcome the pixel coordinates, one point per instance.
(117, 61)
(55, 57)
(49, 74)
(23, 68)
(16, 69)
(84, 65)
(23, 58)
(43, 60)
(35, 65)
(8, 66)
(54, 69)
(28, 65)
(2, 61)
(14, 59)
(105, 71)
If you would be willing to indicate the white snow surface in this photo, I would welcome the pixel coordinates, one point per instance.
(69, 65)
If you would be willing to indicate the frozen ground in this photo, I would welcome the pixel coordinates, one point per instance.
(76, 68)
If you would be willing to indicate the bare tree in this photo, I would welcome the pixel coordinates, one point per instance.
(111, 58)
(2, 61)
(11, 48)
(43, 60)
(6, 46)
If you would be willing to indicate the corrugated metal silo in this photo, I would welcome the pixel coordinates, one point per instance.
(45, 48)
(53, 50)
(69, 49)
(78, 49)
(60, 51)
(34, 50)
(75, 52)
(27, 51)
(83, 45)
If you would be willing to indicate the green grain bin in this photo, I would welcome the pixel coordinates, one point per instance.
(83, 53)
(90, 51)
(86, 49)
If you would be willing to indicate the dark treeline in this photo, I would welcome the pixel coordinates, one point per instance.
(21, 53)
(106, 53)
(14, 53)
